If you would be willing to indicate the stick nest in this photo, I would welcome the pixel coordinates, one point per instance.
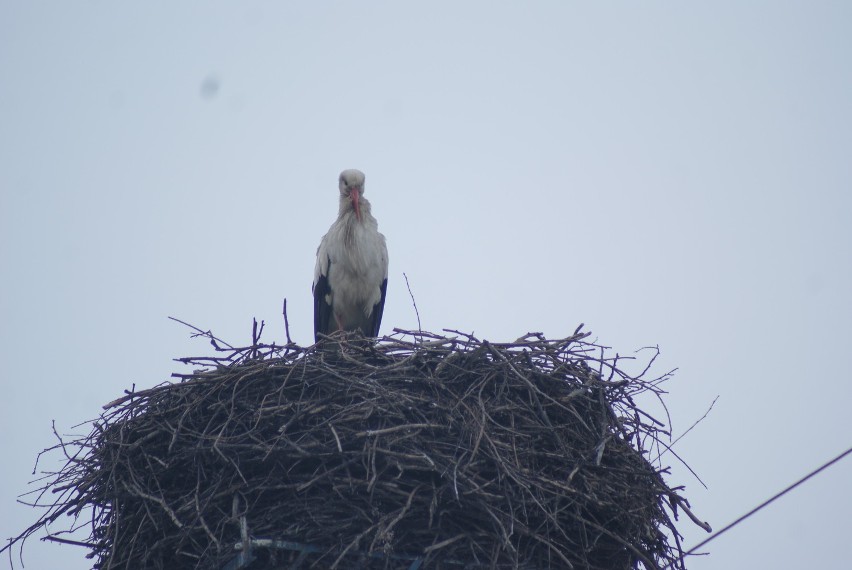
(447, 450)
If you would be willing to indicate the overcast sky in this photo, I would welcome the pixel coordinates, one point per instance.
(674, 174)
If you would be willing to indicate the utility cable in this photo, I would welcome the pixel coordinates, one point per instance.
(766, 502)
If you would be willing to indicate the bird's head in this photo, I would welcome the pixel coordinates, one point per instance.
(351, 189)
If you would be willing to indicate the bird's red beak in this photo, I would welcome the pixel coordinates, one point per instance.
(354, 195)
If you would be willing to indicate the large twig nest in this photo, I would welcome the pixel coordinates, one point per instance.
(450, 452)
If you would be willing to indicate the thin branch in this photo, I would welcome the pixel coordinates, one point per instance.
(286, 323)
(413, 302)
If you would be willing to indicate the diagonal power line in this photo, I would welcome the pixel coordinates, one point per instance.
(823, 467)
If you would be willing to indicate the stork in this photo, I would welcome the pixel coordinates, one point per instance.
(351, 274)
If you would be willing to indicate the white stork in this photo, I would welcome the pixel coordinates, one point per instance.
(351, 274)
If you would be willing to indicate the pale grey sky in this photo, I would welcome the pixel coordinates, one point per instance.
(667, 173)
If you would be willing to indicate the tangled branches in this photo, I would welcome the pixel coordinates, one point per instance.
(448, 452)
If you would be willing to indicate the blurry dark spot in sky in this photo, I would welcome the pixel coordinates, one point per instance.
(210, 87)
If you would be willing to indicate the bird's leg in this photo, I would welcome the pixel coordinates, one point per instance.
(339, 322)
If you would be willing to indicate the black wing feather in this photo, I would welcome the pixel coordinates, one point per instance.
(322, 309)
(378, 309)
